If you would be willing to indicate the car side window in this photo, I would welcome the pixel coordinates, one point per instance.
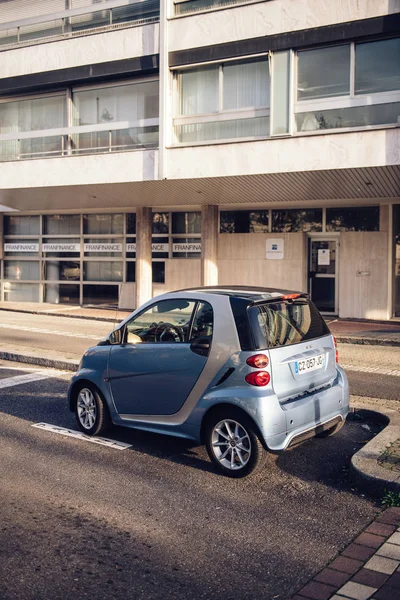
(166, 321)
(203, 322)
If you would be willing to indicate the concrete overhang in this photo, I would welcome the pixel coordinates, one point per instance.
(370, 185)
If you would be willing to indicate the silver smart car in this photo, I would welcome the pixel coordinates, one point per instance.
(243, 370)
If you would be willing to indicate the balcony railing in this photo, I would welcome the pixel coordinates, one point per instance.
(115, 14)
(87, 139)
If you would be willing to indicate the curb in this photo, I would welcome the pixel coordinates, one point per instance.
(366, 341)
(365, 470)
(62, 365)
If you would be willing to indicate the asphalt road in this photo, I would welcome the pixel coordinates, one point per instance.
(154, 520)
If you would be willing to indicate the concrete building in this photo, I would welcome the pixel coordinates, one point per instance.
(147, 146)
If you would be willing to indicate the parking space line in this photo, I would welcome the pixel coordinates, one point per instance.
(29, 378)
(101, 441)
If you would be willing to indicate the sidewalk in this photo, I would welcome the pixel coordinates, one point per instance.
(386, 333)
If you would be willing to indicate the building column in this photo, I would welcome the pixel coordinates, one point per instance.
(144, 286)
(209, 245)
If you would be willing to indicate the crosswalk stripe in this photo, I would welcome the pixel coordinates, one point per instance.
(51, 332)
(29, 378)
(81, 436)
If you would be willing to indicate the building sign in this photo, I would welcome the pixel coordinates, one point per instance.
(186, 247)
(100, 247)
(275, 249)
(324, 257)
(61, 247)
(155, 247)
(22, 247)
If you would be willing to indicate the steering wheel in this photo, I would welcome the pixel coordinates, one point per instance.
(163, 328)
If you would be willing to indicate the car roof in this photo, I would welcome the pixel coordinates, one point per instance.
(255, 294)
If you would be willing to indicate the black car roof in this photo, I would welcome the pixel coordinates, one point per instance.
(254, 294)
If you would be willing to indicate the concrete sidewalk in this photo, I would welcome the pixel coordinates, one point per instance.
(346, 331)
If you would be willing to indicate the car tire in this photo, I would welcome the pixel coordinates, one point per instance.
(91, 410)
(332, 431)
(242, 454)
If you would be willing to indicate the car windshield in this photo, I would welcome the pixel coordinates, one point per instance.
(286, 322)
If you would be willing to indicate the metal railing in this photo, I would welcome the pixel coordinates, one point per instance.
(115, 14)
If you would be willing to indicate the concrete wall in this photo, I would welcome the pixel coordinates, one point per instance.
(269, 18)
(363, 273)
(179, 273)
(85, 50)
(242, 261)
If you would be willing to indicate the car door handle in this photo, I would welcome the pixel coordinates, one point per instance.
(201, 346)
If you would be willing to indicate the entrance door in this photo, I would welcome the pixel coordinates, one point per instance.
(322, 274)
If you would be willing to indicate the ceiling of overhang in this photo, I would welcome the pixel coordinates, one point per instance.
(302, 187)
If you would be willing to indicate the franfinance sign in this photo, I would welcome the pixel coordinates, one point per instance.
(155, 247)
(22, 247)
(100, 247)
(64, 247)
(186, 247)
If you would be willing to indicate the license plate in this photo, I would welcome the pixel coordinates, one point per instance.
(309, 364)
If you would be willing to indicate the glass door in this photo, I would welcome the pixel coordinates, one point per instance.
(322, 274)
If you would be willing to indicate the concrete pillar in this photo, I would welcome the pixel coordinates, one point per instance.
(209, 245)
(144, 286)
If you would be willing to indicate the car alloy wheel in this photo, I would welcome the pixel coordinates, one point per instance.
(231, 444)
(86, 408)
(91, 410)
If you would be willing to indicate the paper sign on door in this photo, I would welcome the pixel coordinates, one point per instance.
(324, 257)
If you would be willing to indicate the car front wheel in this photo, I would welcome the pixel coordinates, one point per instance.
(233, 444)
(91, 411)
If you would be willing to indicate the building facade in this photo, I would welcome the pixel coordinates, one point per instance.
(153, 145)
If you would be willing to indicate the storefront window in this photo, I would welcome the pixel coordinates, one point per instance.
(62, 270)
(21, 270)
(186, 222)
(359, 218)
(130, 272)
(102, 271)
(15, 225)
(244, 221)
(131, 223)
(100, 294)
(103, 224)
(297, 220)
(62, 224)
(61, 247)
(21, 247)
(158, 272)
(21, 292)
(160, 222)
(61, 293)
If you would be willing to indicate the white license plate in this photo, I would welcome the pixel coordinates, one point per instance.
(309, 364)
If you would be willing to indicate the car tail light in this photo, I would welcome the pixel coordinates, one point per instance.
(290, 296)
(337, 351)
(258, 379)
(258, 361)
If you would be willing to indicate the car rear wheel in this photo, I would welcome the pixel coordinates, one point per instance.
(91, 411)
(233, 445)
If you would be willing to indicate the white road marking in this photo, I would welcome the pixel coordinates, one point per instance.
(29, 378)
(52, 332)
(81, 436)
(377, 370)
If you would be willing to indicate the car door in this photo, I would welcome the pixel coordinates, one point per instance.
(155, 368)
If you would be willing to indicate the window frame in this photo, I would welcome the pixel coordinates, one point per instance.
(350, 100)
(222, 114)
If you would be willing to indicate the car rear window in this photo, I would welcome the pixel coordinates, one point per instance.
(286, 322)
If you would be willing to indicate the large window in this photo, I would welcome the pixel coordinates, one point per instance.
(225, 101)
(187, 6)
(358, 218)
(124, 116)
(350, 85)
(244, 221)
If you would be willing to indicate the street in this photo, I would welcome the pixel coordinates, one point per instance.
(154, 520)
(151, 519)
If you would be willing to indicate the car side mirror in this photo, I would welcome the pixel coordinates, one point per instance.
(115, 337)
(201, 345)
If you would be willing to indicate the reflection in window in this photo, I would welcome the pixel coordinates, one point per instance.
(198, 5)
(297, 220)
(186, 222)
(21, 270)
(102, 271)
(15, 225)
(203, 321)
(165, 322)
(103, 224)
(61, 293)
(158, 272)
(377, 66)
(357, 116)
(244, 221)
(160, 222)
(62, 270)
(61, 224)
(359, 218)
(324, 72)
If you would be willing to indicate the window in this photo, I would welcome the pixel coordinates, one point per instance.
(15, 225)
(160, 222)
(130, 111)
(103, 224)
(244, 221)
(158, 272)
(32, 115)
(359, 218)
(167, 321)
(297, 220)
(21, 270)
(351, 85)
(224, 101)
(61, 224)
(203, 322)
(186, 222)
(187, 6)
